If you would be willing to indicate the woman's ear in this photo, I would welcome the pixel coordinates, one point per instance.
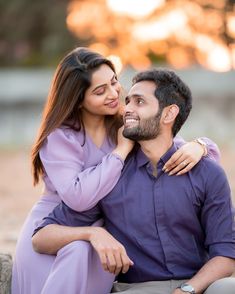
(170, 113)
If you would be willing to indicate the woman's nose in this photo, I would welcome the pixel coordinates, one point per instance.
(114, 91)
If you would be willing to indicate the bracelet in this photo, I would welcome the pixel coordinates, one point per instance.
(203, 144)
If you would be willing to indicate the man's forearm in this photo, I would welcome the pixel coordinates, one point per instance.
(53, 237)
(216, 268)
(111, 252)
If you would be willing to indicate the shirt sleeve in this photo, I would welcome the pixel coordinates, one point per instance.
(212, 148)
(217, 215)
(63, 161)
(64, 215)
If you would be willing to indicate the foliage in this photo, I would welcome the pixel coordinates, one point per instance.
(33, 32)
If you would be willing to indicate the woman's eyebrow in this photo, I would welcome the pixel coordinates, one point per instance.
(99, 86)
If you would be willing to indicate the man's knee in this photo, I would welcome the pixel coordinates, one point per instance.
(225, 286)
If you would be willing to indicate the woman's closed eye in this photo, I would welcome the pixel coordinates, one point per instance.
(100, 91)
(114, 81)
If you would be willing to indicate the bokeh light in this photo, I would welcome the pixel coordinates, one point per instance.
(181, 32)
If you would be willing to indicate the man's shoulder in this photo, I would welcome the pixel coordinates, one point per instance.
(209, 169)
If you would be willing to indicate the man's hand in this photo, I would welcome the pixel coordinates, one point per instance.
(112, 253)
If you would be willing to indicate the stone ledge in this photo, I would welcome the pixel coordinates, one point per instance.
(5, 273)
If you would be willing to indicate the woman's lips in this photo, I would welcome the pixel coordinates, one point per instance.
(113, 104)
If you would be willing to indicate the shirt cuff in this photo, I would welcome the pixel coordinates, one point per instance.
(222, 249)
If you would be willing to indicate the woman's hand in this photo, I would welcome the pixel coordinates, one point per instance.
(124, 145)
(184, 159)
(112, 253)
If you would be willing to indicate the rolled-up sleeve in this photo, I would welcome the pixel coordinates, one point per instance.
(64, 215)
(218, 215)
(63, 161)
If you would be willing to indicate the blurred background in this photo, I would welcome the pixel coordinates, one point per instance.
(195, 38)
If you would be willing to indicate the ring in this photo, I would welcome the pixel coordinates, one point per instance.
(184, 163)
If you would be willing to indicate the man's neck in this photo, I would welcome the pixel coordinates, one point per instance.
(156, 148)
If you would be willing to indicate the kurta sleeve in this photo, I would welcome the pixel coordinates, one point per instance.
(212, 148)
(63, 162)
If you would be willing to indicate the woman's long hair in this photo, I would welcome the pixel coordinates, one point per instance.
(71, 80)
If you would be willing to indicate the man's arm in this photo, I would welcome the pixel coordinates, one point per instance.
(51, 238)
(217, 219)
(64, 225)
(215, 269)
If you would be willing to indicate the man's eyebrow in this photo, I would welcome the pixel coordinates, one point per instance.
(134, 96)
(99, 86)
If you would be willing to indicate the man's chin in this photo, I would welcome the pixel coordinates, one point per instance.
(134, 136)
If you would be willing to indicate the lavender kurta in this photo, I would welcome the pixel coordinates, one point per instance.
(79, 173)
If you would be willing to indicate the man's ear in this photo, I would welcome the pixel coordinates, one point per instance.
(170, 113)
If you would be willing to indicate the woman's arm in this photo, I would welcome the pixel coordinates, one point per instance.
(63, 160)
(189, 154)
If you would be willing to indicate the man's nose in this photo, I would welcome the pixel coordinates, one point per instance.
(128, 108)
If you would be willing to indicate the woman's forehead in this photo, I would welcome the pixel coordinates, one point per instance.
(102, 75)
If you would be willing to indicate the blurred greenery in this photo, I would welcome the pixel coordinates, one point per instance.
(34, 33)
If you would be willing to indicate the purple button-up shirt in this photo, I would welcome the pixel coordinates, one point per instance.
(169, 225)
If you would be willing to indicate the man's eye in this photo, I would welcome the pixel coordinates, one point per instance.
(127, 101)
(140, 101)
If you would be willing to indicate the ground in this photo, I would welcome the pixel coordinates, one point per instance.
(17, 194)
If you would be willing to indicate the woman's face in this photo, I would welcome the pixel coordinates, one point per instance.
(102, 97)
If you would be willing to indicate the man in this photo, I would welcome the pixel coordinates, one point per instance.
(175, 233)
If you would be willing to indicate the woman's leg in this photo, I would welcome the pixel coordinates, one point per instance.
(222, 286)
(30, 269)
(77, 270)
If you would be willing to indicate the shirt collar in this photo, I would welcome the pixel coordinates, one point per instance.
(142, 159)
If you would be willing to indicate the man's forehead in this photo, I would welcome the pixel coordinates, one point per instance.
(143, 88)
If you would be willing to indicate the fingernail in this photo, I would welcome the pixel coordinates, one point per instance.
(166, 170)
(170, 173)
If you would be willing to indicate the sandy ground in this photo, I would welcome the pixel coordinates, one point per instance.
(17, 195)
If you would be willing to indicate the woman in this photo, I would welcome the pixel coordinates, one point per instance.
(76, 147)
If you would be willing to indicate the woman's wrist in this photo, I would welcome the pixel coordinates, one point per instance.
(121, 152)
(203, 145)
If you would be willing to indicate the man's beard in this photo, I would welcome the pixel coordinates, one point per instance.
(148, 129)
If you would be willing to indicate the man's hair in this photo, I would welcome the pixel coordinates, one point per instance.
(170, 89)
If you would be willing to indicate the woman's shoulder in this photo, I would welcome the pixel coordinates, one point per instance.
(62, 141)
(66, 134)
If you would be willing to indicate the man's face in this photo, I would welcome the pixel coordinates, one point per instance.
(141, 113)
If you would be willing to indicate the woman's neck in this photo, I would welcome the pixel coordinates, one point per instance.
(93, 123)
(95, 128)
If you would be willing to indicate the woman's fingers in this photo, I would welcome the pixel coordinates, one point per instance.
(184, 159)
(186, 169)
(181, 166)
(175, 160)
